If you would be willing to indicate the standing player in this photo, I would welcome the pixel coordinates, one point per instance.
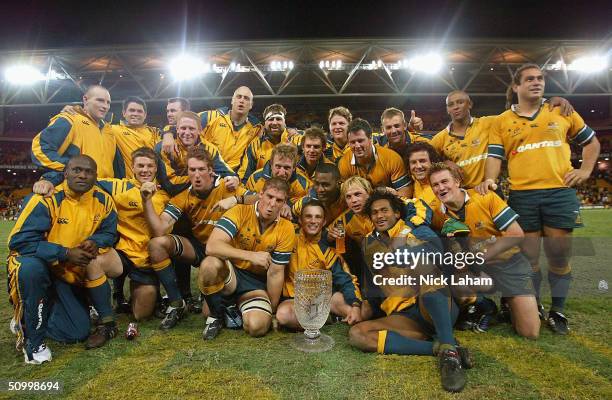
(379, 165)
(312, 144)
(419, 157)
(232, 132)
(534, 140)
(54, 248)
(339, 120)
(397, 135)
(83, 133)
(247, 253)
(313, 252)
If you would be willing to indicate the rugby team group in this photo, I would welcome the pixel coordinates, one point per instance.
(248, 204)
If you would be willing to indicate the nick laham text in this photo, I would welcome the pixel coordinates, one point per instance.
(410, 280)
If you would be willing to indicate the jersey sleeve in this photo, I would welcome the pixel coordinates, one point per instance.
(29, 234)
(248, 164)
(175, 206)
(501, 213)
(230, 221)
(285, 244)
(496, 146)
(399, 178)
(579, 132)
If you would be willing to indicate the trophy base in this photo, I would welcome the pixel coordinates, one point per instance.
(318, 345)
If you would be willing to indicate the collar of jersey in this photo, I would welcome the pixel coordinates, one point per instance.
(534, 116)
(449, 128)
(374, 153)
(466, 199)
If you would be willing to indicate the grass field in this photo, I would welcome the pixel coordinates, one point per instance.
(180, 364)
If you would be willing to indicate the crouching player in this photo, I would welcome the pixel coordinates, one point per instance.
(54, 267)
(199, 203)
(246, 257)
(313, 252)
(494, 232)
(408, 316)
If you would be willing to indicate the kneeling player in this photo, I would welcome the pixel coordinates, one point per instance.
(487, 217)
(313, 252)
(53, 265)
(407, 316)
(246, 257)
(199, 204)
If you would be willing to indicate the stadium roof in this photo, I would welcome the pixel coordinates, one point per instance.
(304, 69)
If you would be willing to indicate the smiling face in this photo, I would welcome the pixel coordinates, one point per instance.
(96, 103)
(394, 128)
(145, 169)
(327, 188)
(80, 174)
(360, 144)
(445, 187)
(187, 131)
(313, 150)
(419, 164)
(275, 126)
(134, 114)
(458, 106)
(338, 126)
(356, 198)
(532, 85)
(312, 220)
(383, 216)
(171, 110)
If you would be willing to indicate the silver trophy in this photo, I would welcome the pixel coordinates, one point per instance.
(313, 292)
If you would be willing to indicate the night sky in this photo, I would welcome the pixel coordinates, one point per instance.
(31, 24)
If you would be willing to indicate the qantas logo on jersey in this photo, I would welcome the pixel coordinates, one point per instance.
(473, 160)
(538, 145)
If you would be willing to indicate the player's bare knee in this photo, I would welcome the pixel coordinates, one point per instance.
(159, 248)
(211, 269)
(356, 336)
(258, 326)
(528, 330)
(285, 314)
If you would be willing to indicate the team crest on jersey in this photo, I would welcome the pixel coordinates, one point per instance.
(96, 218)
(515, 131)
(479, 225)
(475, 142)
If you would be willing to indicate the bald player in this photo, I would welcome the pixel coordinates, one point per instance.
(85, 133)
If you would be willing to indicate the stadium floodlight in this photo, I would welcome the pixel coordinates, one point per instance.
(429, 63)
(281, 65)
(185, 67)
(23, 75)
(331, 65)
(589, 64)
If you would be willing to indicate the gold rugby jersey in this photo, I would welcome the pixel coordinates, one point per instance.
(537, 147)
(314, 253)
(241, 224)
(47, 227)
(130, 138)
(387, 170)
(258, 153)
(470, 151)
(69, 135)
(298, 183)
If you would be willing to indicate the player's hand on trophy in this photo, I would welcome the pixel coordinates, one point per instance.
(231, 183)
(43, 187)
(147, 190)
(415, 123)
(485, 186)
(261, 259)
